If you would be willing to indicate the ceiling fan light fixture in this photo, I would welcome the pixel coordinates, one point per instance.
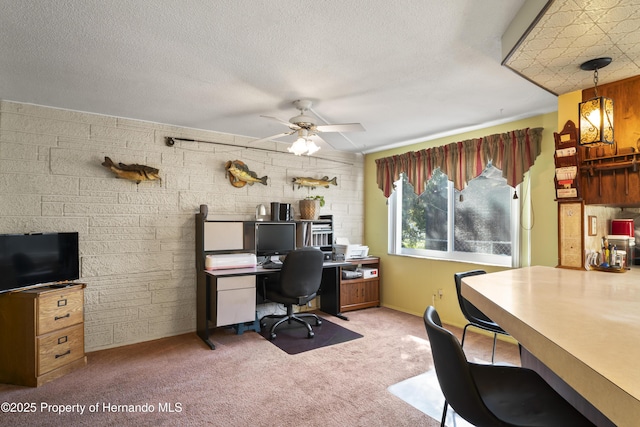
(305, 126)
(299, 147)
(595, 114)
(311, 147)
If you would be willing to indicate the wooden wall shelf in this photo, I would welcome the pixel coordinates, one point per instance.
(612, 178)
(567, 162)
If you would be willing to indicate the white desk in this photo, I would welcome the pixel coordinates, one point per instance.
(215, 309)
(583, 325)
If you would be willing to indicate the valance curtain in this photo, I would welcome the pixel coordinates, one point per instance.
(513, 153)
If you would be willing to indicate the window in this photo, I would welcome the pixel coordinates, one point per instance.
(478, 224)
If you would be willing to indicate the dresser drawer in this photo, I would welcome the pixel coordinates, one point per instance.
(59, 348)
(60, 309)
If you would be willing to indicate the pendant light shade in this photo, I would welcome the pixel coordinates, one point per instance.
(596, 114)
(596, 121)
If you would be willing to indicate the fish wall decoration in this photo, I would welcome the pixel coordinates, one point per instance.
(135, 172)
(240, 175)
(313, 183)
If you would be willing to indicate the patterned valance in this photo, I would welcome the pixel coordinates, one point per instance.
(513, 153)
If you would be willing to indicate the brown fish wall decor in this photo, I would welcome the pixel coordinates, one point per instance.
(240, 175)
(313, 182)
(135, 172)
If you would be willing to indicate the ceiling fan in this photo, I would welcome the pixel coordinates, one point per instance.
(306, 128)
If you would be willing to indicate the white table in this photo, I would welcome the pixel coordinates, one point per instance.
(583, 325)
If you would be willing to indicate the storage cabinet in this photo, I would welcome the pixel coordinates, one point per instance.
(41, 334)
(317, 233)
(361, 292)
(236, 300)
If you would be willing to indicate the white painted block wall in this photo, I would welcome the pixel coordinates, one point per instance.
(137, 242)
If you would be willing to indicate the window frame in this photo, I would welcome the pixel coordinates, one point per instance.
(395, 233)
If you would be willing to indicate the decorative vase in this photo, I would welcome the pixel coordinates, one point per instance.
(309, 209)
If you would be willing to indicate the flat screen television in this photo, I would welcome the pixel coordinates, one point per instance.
(275, 238)
(30, 260)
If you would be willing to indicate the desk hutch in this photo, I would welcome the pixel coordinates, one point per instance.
(227, 297)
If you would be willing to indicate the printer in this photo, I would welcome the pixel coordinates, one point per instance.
(224, 261)
(350, 251)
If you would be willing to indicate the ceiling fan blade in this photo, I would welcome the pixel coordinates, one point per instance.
(345, 127)
(316, 138)
(269, 138)
(284, 122)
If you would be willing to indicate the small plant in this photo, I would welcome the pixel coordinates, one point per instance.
(320, 198)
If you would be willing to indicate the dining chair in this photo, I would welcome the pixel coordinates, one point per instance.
(474, 316)
(494, 395)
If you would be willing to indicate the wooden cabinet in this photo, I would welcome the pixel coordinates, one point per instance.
(363, 292)
(610, 174)
(41, 334)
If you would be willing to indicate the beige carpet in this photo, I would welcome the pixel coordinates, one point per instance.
(246, 381)
(423, 393)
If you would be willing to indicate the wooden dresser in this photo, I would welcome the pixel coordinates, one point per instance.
(41, 334)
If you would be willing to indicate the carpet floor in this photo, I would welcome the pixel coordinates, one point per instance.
(246, 380)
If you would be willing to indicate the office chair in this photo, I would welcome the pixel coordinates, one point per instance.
(474, 316)
(298, 284)
(493, 395)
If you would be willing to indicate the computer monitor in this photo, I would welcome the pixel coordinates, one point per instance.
(275, 238)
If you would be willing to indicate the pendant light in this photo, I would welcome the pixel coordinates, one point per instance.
(596, 114)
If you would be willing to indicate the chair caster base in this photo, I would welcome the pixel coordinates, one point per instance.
(310, 335)
(272, 337)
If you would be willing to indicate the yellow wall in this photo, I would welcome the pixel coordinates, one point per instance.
(410, 284)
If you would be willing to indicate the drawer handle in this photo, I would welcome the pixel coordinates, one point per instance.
(62, 303)
(63, 340)
(63, 354)
(62, 317)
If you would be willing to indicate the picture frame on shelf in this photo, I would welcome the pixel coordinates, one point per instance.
(592, 229)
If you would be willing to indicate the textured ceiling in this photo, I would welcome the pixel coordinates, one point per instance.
(407, 70)
(571, 32)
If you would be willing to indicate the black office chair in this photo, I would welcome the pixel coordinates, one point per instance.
(493, 395)
(299, 282)
(474, 316)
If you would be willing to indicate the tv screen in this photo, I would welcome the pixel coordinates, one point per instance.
(274, 238)
(28, 260)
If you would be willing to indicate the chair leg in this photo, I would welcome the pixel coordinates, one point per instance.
(464, 332)
(493, 354)
(290, 317)
(310, 333)
(311, 315)
(444, 415)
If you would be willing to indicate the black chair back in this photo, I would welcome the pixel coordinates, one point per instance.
(454, 374)
(301, 272)
(470, 311)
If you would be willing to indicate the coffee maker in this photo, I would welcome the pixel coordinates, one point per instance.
(282, 212)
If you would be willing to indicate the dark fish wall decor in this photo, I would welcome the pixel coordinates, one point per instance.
(137, 173)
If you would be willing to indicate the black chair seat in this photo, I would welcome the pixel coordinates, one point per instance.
(275, 295)
(493, 395)
(520, 397)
